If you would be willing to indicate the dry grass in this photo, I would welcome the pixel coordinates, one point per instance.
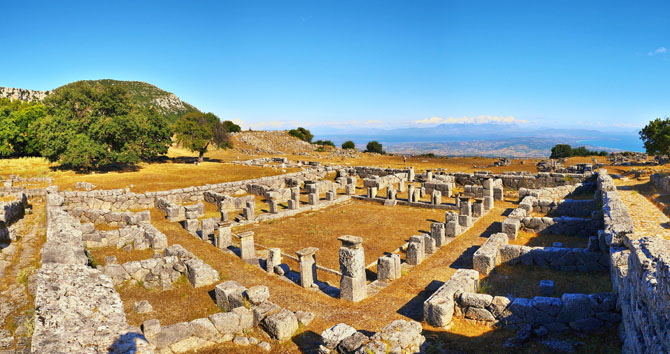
(383, 229)
(524, 281)
(532, 239)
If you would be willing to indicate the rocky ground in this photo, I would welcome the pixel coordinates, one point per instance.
(648, 219)
(18, 262)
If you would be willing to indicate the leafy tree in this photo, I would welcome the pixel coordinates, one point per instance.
(581, 151)
(560, 151)
(302, 134)
(324, 143)
(196, 131)
(656, 137)
(602, 153)
(89, 125)
(17, 122)
(375, 146)
(231, 127)
(348, 145)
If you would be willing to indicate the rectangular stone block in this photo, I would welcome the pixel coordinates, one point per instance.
(191, 225)
(487, 256)
(429, 245)
(274, 206)
(388, 267)
(353, 289)
(511, 227)
(498, 193)
(416, 250)
(274, 260)
(437, 232)
(247, 247)
(465, 207)
(410, 193)
(488, 203)
(478, 208)
(248, 213)
(225, 237)
(330, 195)
(372, 192)
(452, 229)
(293, 204)
(350, 189)
(436, 198)
(313, 198)
(465, 221)
(307, 260)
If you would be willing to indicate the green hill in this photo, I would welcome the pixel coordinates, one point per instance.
(148, 95)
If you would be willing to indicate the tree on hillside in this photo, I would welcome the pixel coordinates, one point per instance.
(348, 145)
(196, 131)
(656, 137)
(375, 146)
(231, 127)
(324, 143)
(17, 127)
(561, 151)
(302, 134)
(88, 126)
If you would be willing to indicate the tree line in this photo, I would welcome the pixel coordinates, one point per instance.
(565, 150)
(305, 135)
(87, 126)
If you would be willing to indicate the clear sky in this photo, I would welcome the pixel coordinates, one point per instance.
(324, 64)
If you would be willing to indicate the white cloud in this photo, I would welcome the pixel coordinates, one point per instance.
(659, 50)
(471, 120)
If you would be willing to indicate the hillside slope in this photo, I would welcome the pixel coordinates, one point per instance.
(142, 93)
(147, 95)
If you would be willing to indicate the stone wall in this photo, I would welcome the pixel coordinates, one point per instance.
(77, 309)
(523, 180)
(563, 225)
(123, 199)
(640, 269)
(557, 193)
(399, 336)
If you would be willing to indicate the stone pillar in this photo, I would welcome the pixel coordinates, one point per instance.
(207, 228)
(274, 260)
(248, 213)
(453, 229)
(410, 174)
(191, 225)
(429, 176)
(295, 193)
(417, 195)
(307, 259)
(247, 247)
(224, 215)
(437, 233)
(353, 285)
(274, 206)
(402, 186)
(415, 250)
(422, 192)
(436, 197)
(465, 207)
(350, 189)
(225, 237)
(410, 193)
(488, 203)
(372, 192)
(465, 221)
(390, 193)
(429, 245)
(313, 198)
(330, 195)
(478, 208)
(388, 267)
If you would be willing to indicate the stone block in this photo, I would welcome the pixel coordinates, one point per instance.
(388, 267)
(248, 213)
(437, 232)
(274, 206)
(330, 195)
(191, 225)
(453, 229)
(281, 325)
(478, 208)
(547, 288)
(488, 203)
(246, 317)
(465, 221)
(372, 192)
(487, 256)
(225, 237)
(350, 189)
(200, 273)
(429, 245)
(226, 322)
(247, 247)
(334, 335)
(436, 198)
(263, 310)
(307, 260)
(274, 260)
(313, 199)
(575, 307)
(229, 295)
(415, 251)
(257, 294)
(293, 204)
(511, 227)
(353, 289)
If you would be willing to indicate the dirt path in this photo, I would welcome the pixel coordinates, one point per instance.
(648, 219)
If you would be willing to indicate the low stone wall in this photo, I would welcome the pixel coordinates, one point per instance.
(517, 181)
(162, 272)
(399, 336)
(77, 309)
(662, 182)
(557, 193)
(438, 309)
(111, 218)
(10, 211)
(365, 172)
(134, 237)
(617, 221)
(559, 258)
(123, 199)
(579, 312)
(225, 202)
(563, 225)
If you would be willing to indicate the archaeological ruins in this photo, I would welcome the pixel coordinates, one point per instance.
(80, 306)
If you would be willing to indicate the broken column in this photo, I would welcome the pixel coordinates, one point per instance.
(402, 186)
(436, 197)
(191, 225)
(415, 250)
(410, 193)
(388, 267)
(224, 215)
(307, 259)
(478, 208)
(410, 174)
(417, 195)
(274, 260)
(372, 192)
(225, 237)
(247, 247)
(437, 233)
(422, 192)
(353, 285)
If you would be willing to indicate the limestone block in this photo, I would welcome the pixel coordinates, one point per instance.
(453, 229)
(274, 260)
(353, 289)
(191, 225)
(274, 206)
(350, 189)
(511, 227)
(487, 256)
(263, 310)
(225, 237)
(330, 195)
(313, 198)
(257, 294)
(436, 198)
(226, 322)
(465, 221)
(307, 259)
(415, 250)
(281, 325)
(247, 247)
(478, 208)
(229, 294)
(429, 245)
(200, 273)
(437, 232)
(488, 203)
(388, 267)
(372, 192)
(334, 335)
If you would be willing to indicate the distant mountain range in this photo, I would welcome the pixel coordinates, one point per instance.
(488, 139)
(142, 93)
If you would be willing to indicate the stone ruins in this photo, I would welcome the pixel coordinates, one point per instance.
(78, 307)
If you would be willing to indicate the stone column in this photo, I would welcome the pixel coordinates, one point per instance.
(410, 174)
(478, 208)
(410, 193)
(465, 207)
(313, 198)
(417, 195)
(307, 259)
(350, 189)
(225, 237)
(372, 192)
(191, 225)
(353, 285)
(207, 229)
(224, 215)
(429, 245)
(274, 206)
(247, 247)
(390, 193)
(429, 176)
(436, 197)
(274, 260)
(488, 203)
(295, 193)
(453, 229)
(415, 250)
(437, 233)
(248, 213)
(388, 267)
(330, 195)
(402, 186)
(422, 192)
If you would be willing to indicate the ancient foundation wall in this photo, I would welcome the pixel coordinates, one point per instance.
(517, 181)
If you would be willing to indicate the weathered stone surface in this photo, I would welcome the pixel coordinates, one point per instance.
(352, 343)
(229, 294)
(304, 318)
(200, 273)
(257, 294)
(142, 306)
(150, 328)
(226, 322)
(575, 307)
(246, 317)
(547, 288)
(263, 310)
(438, 309)
(281, 325)
(479, 314)
(487, 256)
(204, 328)
(468, 299)
(334, 335)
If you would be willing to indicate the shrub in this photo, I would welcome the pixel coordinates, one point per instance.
(348, 145)
(324, 143)
(302, 134)
(375, 146)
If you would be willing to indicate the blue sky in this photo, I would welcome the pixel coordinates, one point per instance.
(341, 64)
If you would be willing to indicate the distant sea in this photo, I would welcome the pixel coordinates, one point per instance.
(624, 142)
